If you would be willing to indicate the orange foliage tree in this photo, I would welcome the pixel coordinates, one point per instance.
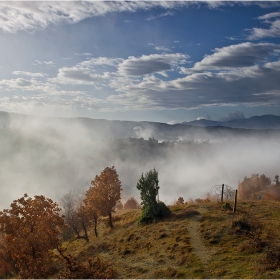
(131, 204)
(104, 193)
(250, 188)
(180, 201)
(30, 229)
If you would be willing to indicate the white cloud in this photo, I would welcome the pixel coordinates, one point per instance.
(269, 16)
(77, 76)
(148, 64)
(30, 16)
(48, 63)
(161, 48)
(36, 86)
(273, 65)
(166, 14)
(44, 104)
(234, 56)
(101, 61)
(30, 74)
(273, 19)
(217, 80)
(83, 54)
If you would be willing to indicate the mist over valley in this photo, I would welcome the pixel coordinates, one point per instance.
(51, 156)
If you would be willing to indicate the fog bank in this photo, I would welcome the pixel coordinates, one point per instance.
(53, 156)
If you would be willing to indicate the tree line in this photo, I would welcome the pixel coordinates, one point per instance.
(259, 187)
(32, 228)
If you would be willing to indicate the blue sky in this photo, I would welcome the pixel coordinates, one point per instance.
(154, 61)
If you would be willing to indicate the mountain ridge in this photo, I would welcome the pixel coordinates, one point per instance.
(254, 122)
(195, 130)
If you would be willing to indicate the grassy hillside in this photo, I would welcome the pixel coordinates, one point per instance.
(197, 241)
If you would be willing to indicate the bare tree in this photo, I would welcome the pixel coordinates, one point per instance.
(75, 215)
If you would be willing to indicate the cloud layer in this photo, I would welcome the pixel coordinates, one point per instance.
(16, 16)
(163, 76)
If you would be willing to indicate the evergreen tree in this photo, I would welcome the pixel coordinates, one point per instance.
(148, 187)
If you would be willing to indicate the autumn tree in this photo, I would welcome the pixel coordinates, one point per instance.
(180, 201)
(131, 203)
(151, 208)
(104, 193)
(250, 188)
(76, 215)
(31, 228)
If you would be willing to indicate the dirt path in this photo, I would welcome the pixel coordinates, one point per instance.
(203, 252)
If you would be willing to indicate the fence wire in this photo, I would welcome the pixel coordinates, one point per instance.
(216, 191)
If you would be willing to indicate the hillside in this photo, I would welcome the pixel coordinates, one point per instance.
(196, 241)
(255, 122)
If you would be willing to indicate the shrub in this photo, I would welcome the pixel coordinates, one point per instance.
(147, 216)
(162, 210)
(93, 269)
(241, 224)
(227, 206)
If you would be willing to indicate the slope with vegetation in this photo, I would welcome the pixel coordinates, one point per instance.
(195, 241)
(99, 238)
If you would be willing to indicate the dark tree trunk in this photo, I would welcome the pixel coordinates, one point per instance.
(85, 231)
(95, 220)
(110, 220)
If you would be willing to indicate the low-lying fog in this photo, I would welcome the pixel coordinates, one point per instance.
(52, 159)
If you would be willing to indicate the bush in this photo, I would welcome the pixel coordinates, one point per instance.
(148, 215)
(241, 224)
(93, 269)
(227, 206)
(162, 210)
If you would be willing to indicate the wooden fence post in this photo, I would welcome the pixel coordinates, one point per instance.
(235, 201)
(222, 197)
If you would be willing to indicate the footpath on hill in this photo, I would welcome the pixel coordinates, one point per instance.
(203, 252)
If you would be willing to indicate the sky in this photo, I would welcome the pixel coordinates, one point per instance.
(156, 61)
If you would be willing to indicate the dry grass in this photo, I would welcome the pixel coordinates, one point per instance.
(243, 243)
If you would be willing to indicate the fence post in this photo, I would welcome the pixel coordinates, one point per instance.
(235, 201)
(222, 197)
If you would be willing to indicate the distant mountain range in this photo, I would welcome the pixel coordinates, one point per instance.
(256, 127)
(256, 122)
